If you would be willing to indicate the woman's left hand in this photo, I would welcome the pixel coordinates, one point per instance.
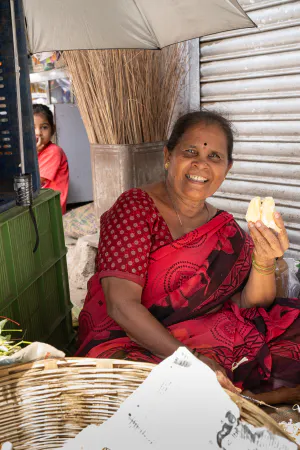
(268, 244)
(220, 373)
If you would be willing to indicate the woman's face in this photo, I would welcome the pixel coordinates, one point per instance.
(199, 163)
(42, 128)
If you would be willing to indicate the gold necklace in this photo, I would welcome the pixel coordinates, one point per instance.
(176, 211)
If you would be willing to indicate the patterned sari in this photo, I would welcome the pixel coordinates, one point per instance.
(188, 288)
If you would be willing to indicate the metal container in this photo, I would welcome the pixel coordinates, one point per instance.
(117, 168)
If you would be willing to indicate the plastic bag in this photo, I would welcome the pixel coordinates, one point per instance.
(34, 351)
(294, 284)
(287, 283)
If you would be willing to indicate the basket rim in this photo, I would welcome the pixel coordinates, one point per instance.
(57, 363)
(12, 375)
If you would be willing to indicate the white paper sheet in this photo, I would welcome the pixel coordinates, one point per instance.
(180, 405)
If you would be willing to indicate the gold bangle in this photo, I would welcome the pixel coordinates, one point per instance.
(263, 268)
(254, 260)
(271, 271)
(263, 273)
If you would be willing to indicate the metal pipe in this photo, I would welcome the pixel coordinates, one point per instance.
(18, 90)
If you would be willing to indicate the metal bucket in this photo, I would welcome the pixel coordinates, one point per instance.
(117, 168)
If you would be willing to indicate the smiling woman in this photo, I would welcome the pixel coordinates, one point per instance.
(172, 270)
(198, 156)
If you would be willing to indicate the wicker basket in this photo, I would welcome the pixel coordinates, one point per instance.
(47, 402)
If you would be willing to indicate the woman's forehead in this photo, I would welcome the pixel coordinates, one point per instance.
(202, 132)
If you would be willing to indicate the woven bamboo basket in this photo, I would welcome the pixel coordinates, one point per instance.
(46, 402)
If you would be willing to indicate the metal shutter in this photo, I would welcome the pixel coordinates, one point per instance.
(254, 76)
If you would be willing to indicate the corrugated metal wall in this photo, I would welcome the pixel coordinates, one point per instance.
(254, 76)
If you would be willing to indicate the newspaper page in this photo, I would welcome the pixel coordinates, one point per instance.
(180, 405)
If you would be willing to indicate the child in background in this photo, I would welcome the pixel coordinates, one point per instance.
(53, 163)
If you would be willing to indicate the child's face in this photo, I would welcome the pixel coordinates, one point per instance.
(42, 128)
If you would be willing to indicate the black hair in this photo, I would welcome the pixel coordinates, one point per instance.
(43, 110)
(203, 116)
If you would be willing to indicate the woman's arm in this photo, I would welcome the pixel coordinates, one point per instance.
(260, 289)
(123, 302)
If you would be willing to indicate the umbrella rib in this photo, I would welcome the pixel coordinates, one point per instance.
(147, 24)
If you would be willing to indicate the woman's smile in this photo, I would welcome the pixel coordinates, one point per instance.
(196, 179)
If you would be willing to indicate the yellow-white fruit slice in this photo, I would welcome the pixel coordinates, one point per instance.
(267, 211)
(254, 210)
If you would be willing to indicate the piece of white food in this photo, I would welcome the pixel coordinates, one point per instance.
(263, 211)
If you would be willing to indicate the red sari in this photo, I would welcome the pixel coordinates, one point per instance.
(183, 281)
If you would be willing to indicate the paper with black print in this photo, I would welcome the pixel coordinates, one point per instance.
(180, 405)
(247, 437)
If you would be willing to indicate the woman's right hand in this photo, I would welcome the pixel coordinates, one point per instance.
(220, 374)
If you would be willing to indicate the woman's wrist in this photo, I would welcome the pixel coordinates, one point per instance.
(194, 352)
(265, 263)
(264, 266)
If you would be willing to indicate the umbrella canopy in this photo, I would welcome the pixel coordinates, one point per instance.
(147, 24)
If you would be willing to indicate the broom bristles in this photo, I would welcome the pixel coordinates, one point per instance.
(127, 96)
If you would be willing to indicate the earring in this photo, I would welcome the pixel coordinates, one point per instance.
(167, 165)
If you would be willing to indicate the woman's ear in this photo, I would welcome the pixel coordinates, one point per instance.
(166, 155)
(53, 129)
